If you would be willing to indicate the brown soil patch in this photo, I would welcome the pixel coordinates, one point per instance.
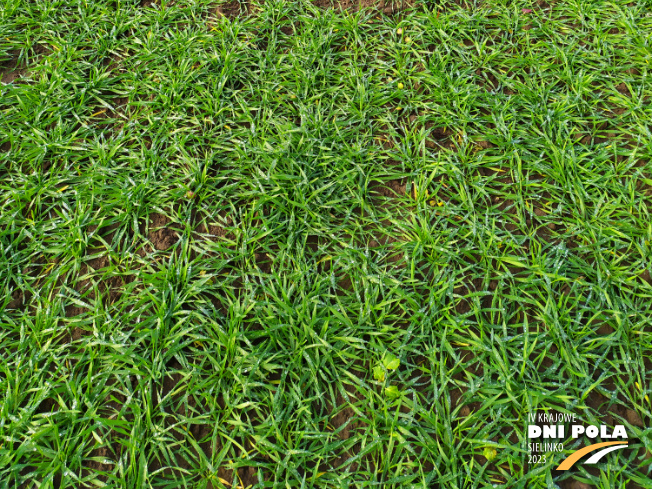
(345, 420)
(383, 195)
(342, 4)
(169, 394)
(264, 262)
(153, 3)
(574, 484)
(159, 232)
(389, 189)
(9, 69)
(73, 307)
(213, 227)
(236, 8)
(622, 88)
(18, 299)
(386, 6)
(100, 459)
(440, 138)
(231, 9)
(108, 286)
(344, 285)
(104, 116)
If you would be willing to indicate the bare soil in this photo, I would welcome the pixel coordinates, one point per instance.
(10, 69)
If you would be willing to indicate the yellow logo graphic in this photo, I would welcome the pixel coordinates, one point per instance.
(575, 456)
